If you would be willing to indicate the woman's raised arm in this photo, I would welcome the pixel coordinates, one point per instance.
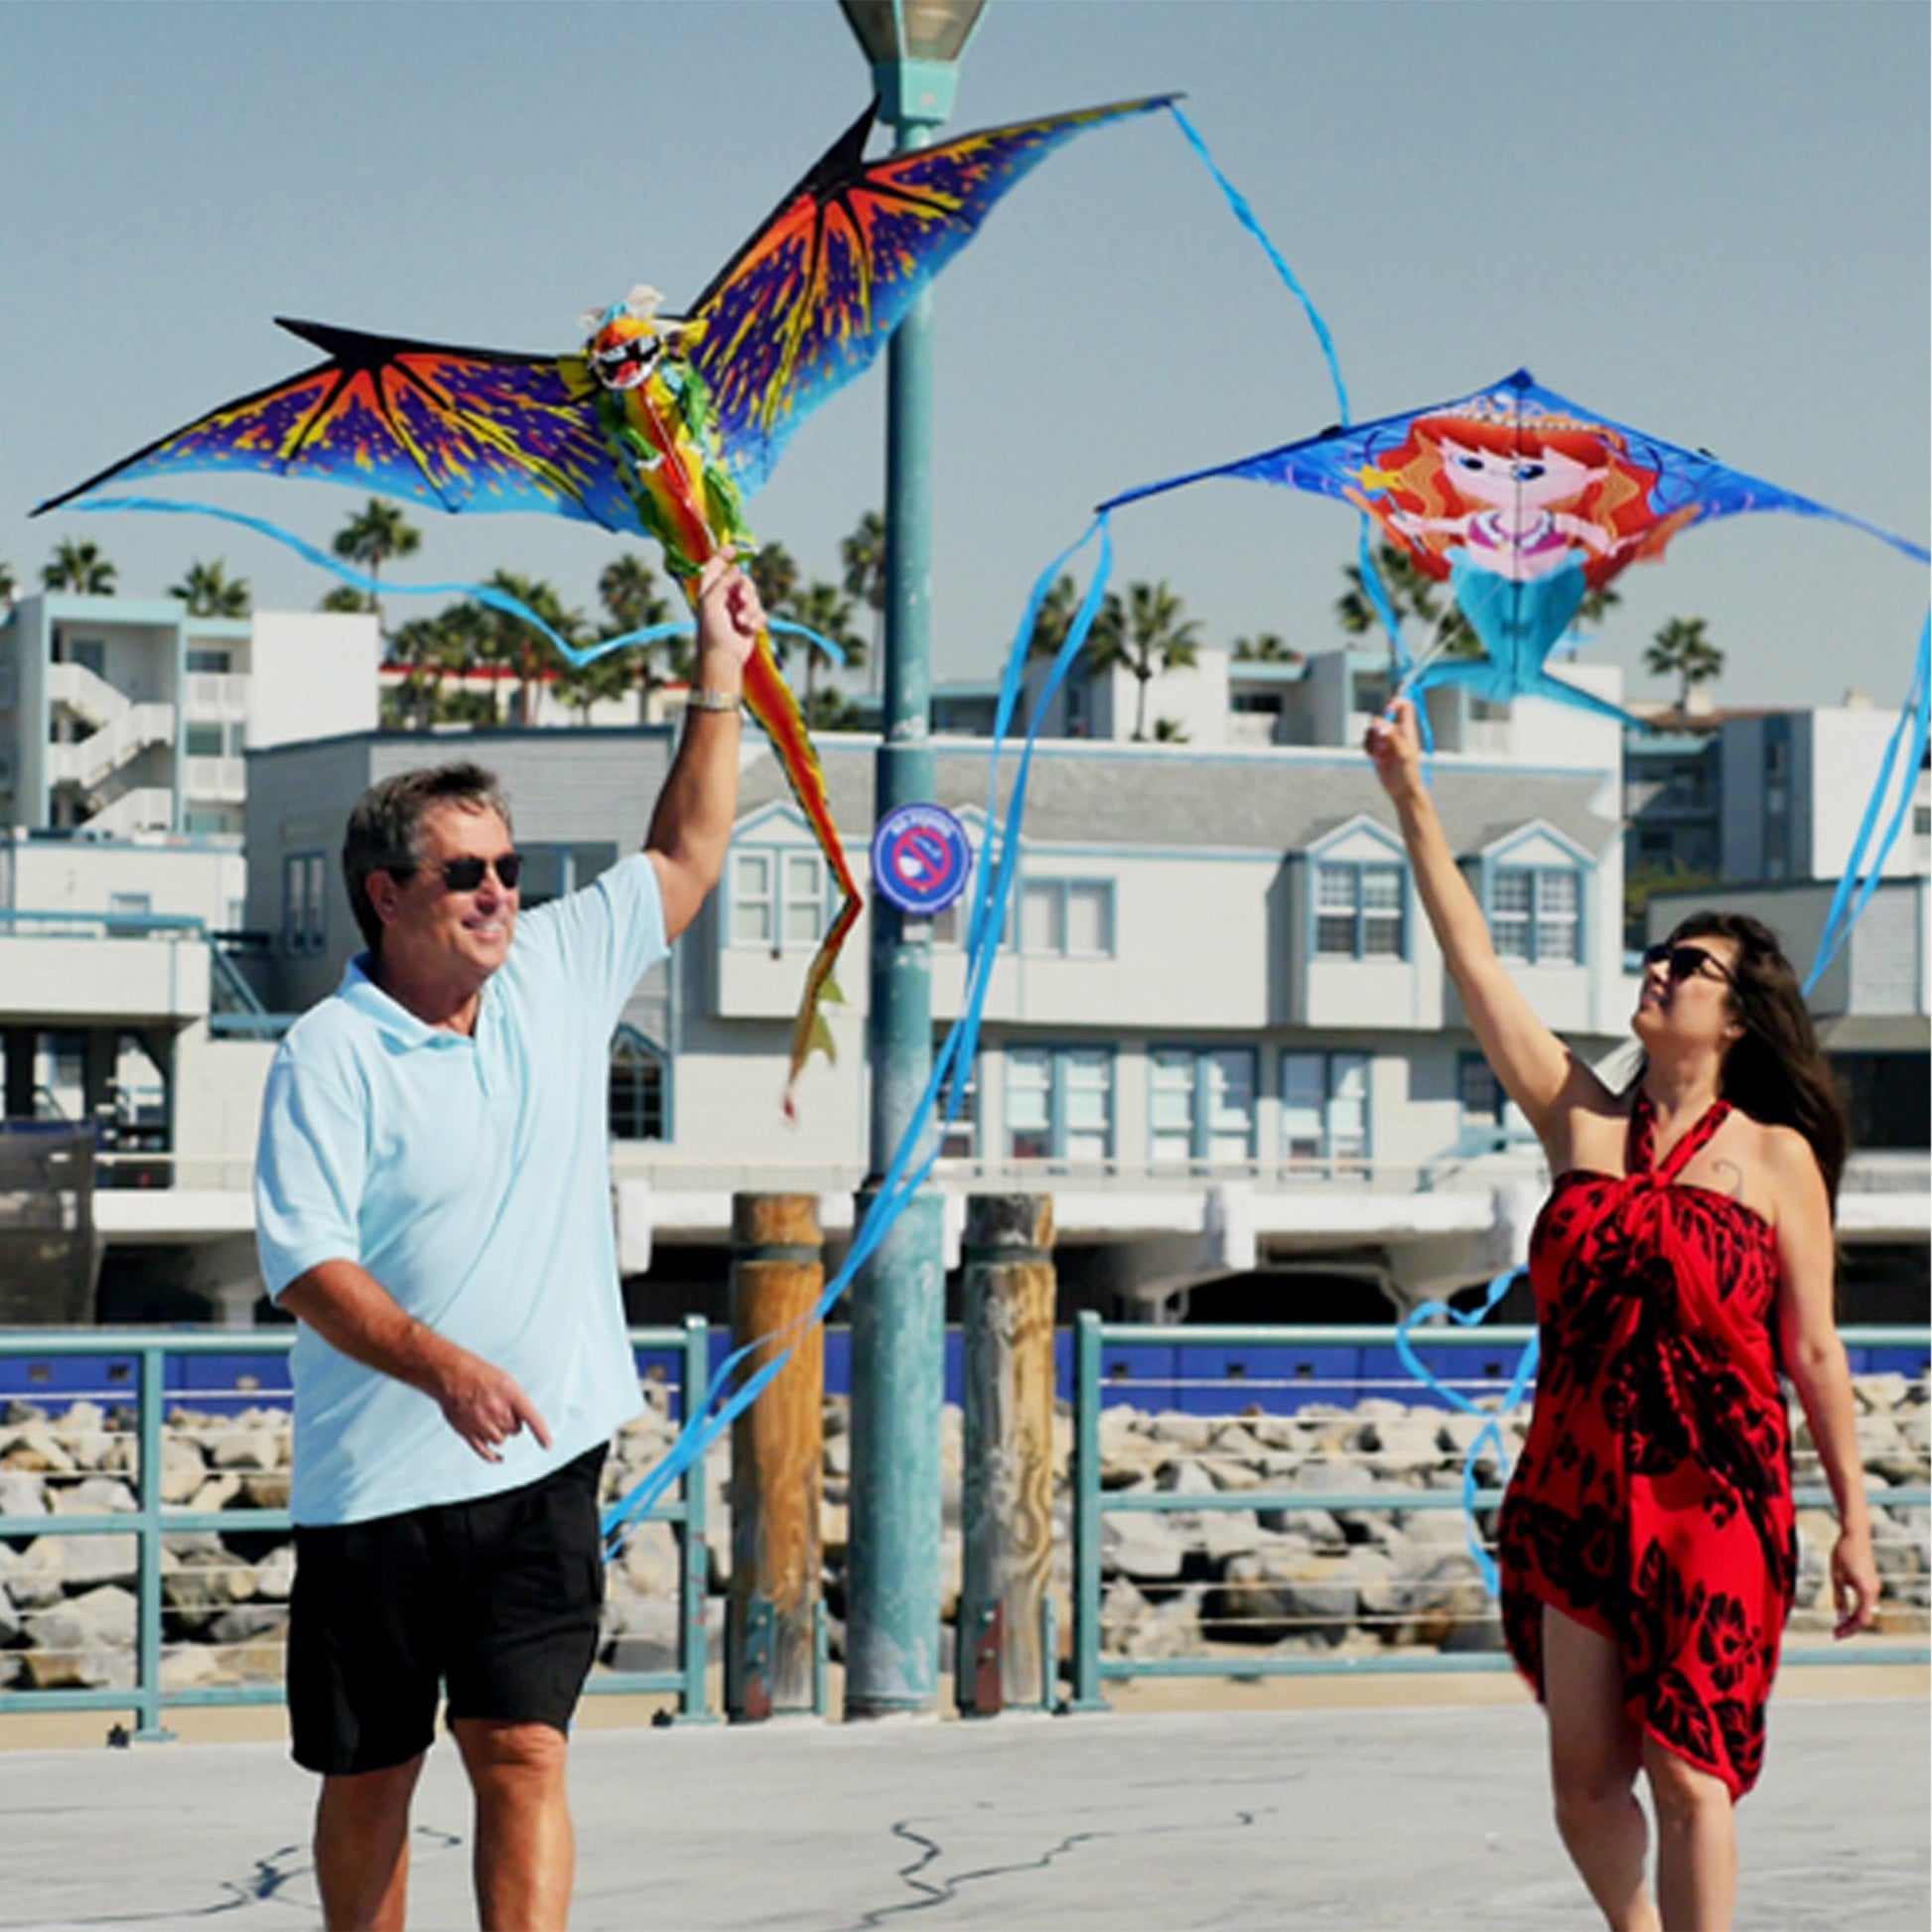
(1536, 1069)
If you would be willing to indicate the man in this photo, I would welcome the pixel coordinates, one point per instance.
(432, 1206)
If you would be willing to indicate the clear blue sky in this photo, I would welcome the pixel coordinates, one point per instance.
(1707, 220)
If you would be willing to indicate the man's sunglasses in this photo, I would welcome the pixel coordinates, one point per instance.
(466, 875)
(1687, 962)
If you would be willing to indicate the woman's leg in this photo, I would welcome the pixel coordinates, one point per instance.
(1594, 1754)
(1697, 1843)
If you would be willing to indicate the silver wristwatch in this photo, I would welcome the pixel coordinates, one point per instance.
(699, 698)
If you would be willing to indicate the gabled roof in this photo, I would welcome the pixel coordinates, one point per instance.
(1266, 802)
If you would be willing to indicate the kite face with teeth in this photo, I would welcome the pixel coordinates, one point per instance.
(625, 342)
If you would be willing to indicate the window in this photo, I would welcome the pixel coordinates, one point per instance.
(1067, 919)
(236, 737)
(1358, 911)
(207, 658)
(304, 879)
(129, 906)
(636, 1089)
(777, 899)
(1060, 1104)
(1479, 1091)
(1200, 1105)
(1534, 914)
(201, 740)
(551, 871)
(91, 653)
(1324, 1112)
(960, 1140)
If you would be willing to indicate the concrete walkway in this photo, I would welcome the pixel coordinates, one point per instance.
(1307, 1818)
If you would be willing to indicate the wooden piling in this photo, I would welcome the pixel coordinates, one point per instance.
(1007, 1499)
(778, 1454)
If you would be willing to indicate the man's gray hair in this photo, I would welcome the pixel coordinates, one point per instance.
(385, 830)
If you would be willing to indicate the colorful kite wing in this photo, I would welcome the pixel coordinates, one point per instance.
(809, 301)
(458, 429)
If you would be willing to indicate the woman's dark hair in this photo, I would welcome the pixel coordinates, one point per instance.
(1776, 1071)
(385, 828)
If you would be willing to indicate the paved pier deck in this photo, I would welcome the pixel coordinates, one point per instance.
(1362, 1817)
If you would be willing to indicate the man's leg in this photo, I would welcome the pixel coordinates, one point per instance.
(363, 1848)
(1594, 1753)
(525, 1853)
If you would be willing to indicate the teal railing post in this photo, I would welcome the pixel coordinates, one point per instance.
(1086, 1515)
(693, 1556)
(147, 1667)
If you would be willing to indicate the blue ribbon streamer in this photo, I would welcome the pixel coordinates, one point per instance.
(513, 607)
(1243, 211)
(1915, 717)
(946, 1088)
(1490, 1434)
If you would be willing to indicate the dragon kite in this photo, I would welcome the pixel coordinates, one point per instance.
(659, 425)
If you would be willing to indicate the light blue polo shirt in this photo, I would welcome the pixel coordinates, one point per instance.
(471, 1176)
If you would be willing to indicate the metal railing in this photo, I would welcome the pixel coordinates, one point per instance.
(1315, 1371)
(142, 1380)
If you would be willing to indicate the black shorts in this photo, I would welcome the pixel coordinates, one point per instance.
(494, 1604)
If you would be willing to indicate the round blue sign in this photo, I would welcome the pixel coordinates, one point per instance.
(921, 859)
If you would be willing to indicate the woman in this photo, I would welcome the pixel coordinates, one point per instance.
(1684, 1256)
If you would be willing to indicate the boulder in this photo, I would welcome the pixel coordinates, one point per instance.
(259, 1447)
(248, 1623)
(1142, 1544)
(34, 1446)
(91, 1631)
(193, 1666)
(183, 1470)
(23, 1492)
(10, 1624)
(1273, 1595)
(1122, 1606)
(1180, 1431)
(1168, 1630)
(101, 1559)
(1226, 1533)
(217, 1492)
(1316, 1525)
(649, 1562)
(266, 1490)
(1880, 1392)
(36, 1577)
(95, 1496)
(275, 1574)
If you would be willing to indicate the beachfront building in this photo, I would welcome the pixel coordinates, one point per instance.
(131, 1021)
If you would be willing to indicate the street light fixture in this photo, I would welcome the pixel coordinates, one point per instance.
(899, 1297)
(914, 46)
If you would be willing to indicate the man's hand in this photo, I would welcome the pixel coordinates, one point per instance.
(352, 1311)
(483, 1404)
(730, 619)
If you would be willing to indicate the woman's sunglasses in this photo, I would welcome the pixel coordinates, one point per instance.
(466, 875)
(1687, 962)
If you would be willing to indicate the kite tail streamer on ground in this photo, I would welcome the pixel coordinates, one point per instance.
(1489, 1439)
(917, 1150)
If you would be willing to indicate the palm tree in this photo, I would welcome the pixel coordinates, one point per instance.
(209, 592)
(1412, 594)
(825, 609)
(1680, 651)
(628, 590)
(78, 567)
(374, 534)
(346, 598)
(774, 575)
(863, 555)
(8, 585)
(429, 650)
(1146, 634)
(1264, 648)
(510, 641)
(1054, 619)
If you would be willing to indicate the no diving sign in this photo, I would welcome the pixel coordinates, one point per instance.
(921, 859)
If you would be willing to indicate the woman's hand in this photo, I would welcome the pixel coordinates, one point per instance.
(1855, 1582)
(1395, 744)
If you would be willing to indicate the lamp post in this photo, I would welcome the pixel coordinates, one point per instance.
(891, 1632)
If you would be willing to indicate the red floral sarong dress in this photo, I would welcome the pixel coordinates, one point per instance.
(1652, 1502)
